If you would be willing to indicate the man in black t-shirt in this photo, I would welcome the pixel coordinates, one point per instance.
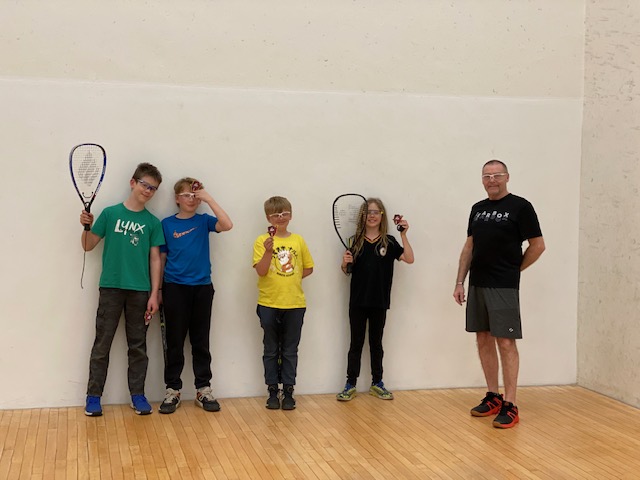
(493, 255)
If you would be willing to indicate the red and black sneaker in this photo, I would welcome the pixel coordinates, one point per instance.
(508, 416)
(490, 405)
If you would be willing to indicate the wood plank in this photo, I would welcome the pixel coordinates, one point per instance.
(565, 432)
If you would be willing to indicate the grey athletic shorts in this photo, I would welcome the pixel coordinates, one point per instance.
(495, 310)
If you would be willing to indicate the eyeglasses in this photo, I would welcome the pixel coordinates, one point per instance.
(374, 212)
(494, 176)
(280, 215)
(147, 186)
(187, 195)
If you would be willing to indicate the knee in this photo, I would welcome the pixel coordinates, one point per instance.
(484, 340)
(507, 345)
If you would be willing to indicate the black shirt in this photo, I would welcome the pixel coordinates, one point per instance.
(372, 274)
(498, 228)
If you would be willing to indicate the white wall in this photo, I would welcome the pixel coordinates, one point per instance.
(258, 99)
(609, 301)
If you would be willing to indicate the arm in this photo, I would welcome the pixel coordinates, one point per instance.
(306, 272)
(533, 252)
(224, 222)
(463, 268)
(88, 239)
(407, 255)
(262, 267)
(155, 271)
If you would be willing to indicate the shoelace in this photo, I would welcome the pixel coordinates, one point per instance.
(489, 398)
(139, 401)
(171, 396)
(206, 393)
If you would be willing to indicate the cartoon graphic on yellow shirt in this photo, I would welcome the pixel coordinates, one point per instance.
(286, 259)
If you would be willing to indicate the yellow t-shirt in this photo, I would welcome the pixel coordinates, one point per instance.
(281, 287)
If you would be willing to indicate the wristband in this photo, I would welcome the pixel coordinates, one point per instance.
(459, 283)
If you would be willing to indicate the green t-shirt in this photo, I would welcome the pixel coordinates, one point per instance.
(128, 238)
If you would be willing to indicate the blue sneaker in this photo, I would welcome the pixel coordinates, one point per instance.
(347, 394)
(140, 405)
(379, 390)
(93, 407)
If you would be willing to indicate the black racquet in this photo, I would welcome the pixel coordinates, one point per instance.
(347, 210)
(87, 163)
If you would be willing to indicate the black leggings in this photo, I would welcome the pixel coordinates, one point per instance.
(358, 317)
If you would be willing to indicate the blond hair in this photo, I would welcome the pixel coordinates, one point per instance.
(276, 205)
(359, 239)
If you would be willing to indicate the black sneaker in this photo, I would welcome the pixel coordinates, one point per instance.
(206, 400)
(508, 416)
(171, 401)
(288, 402)
(273, 402)
(490, 405)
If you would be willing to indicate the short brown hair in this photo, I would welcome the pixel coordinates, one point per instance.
(494, 162)
(147, 170)
(277, 205)
(184, 182)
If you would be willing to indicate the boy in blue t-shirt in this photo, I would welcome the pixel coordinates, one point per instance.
(188, 291)
(130, 280)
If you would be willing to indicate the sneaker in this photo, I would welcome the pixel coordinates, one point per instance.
(490, 405)
(378, 390)
(347, 394)
(171, 401)
(206, 400)
(288, 402)
(93, 407)
(273, 402)
(508, 416)
(140, 404)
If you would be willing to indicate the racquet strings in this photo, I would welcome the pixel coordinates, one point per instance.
(87, 164)
(347, 209)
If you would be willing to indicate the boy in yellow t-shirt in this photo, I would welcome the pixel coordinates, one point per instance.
(281, 260)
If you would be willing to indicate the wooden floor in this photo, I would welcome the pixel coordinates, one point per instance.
(565, 432)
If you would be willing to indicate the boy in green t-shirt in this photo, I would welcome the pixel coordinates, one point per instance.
(130, 282)
(281, 260)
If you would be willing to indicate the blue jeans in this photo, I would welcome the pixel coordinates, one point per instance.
(282, 331)
(110, 306)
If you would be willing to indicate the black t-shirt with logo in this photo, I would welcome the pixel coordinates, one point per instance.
(372, 274)
(498, 228)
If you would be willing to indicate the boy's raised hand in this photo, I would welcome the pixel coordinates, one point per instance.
(268, 244)
(86, 218)
(203, 195)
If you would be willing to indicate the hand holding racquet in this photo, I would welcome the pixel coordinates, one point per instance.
(347, 210)
(87, 163)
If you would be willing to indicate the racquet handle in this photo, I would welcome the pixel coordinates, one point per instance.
(87, 209)
(400, 228)
(349, 267)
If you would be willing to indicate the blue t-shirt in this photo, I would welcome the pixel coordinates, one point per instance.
(187, 249)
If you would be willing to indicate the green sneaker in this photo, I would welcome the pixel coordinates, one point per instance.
(378, 390)
(347, 394)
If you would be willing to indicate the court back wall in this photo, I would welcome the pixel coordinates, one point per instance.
(405, 103)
